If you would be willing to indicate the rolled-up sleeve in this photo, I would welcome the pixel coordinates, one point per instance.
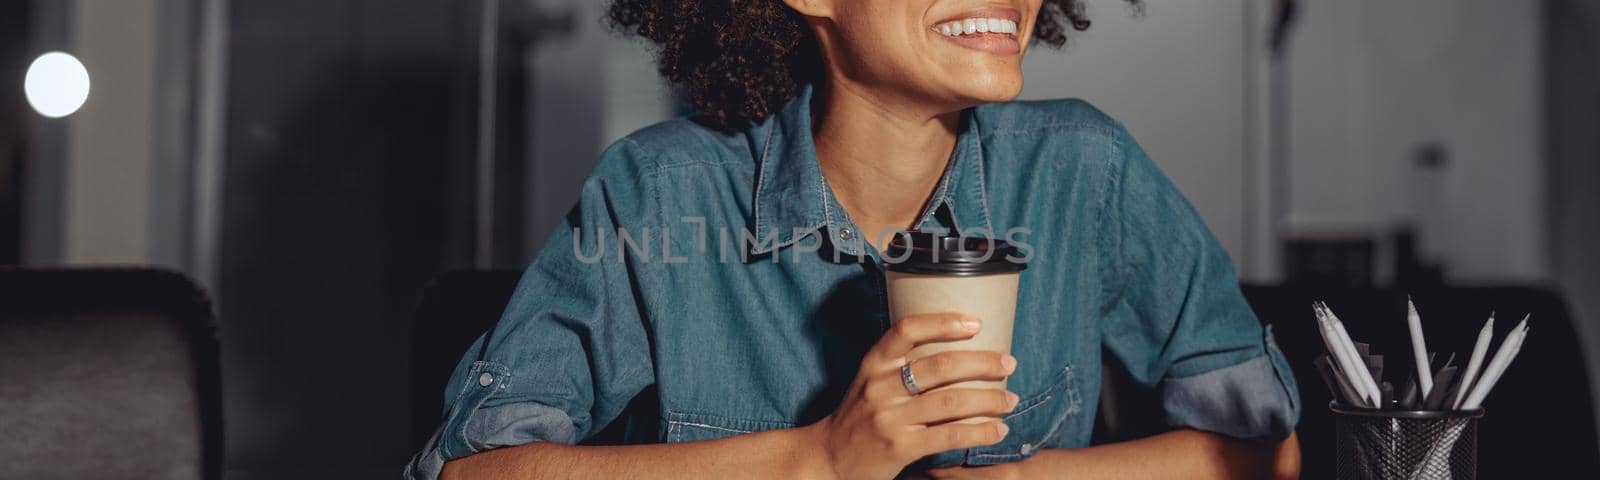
(571, 349)
(1179, 321)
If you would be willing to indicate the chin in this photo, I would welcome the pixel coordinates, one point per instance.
(987, 81)
(997, 91)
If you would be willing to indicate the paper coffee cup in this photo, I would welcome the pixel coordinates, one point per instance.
(929, 273)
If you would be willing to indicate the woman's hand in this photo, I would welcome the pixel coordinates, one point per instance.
(880, 427)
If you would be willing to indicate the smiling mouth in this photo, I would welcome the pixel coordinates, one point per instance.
(975, 26)
(986, 33)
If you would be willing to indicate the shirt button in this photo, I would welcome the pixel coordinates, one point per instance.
(485, 379)
(846, 234)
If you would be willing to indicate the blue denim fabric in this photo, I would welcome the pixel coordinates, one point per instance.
(652, 281)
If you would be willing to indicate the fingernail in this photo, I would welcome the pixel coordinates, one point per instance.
(969, 324)
(1012, 399)
(1009, 363)
(1003, 429)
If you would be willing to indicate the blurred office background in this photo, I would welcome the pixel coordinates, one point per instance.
(312, 164)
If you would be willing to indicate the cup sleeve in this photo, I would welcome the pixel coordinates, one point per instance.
(1179, 321)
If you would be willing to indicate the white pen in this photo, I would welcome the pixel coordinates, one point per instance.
(1341, 357)
(1497, 365)
(1475, 362)
(1357, 361)
(1419, 348)
(1335, 353)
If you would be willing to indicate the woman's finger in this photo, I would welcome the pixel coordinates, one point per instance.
(956, 436)
(913, 330)
(956, 404)
(956, 366)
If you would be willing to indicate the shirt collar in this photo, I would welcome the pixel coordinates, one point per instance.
(793, 201)
(963, 189)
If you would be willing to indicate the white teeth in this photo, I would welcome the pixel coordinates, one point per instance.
(970, 26)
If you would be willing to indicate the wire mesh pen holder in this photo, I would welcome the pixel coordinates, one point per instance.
(1405, 444)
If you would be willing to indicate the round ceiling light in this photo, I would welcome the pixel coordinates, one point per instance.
(56, 84)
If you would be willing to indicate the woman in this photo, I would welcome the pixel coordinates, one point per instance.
(726, 270)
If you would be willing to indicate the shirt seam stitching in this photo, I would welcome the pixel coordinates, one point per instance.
(762, 171)
(983, 188)
(1115, 183)
(662, 168)
(1096, 128)
(1240, 363)
(713, 427)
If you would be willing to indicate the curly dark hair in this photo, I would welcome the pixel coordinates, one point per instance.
(739, 60)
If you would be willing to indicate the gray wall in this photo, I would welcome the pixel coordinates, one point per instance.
(1572, 101)
(1374, 80)
(110, 147)
(566, 114)
(16, 45)
(348, 146)
(110, 183)
(588, 88)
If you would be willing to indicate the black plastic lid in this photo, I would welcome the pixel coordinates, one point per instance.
(934, 254)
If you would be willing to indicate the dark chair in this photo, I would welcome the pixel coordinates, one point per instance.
(1540, 419)
(107, 374)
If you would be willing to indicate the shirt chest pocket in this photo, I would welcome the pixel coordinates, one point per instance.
(1037, 422)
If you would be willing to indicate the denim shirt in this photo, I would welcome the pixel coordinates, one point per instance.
(719, 275)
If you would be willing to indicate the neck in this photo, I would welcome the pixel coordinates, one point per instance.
(882, 158)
